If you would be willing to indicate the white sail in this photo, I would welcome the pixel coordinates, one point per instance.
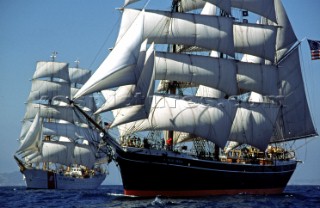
(133, 94)
(85, 154)
(161, 27)
(225, 75)
(53, 112)
(78, 75)
(71, 131)
(189, 5)
(255, 39)
(261, 7)
(254, 125)
(48, 90)
(32, 139)
(128, 114)
(66, 153)
(225, 5)
(118, 98)
(87, 102)
(203, 119)
(137, 112)
(117, 73)
(127, 2)
(252, 59)
(256, 98)
(164, 27)
(25, 128)
(120, 62)
(211, 72)
(204, 91)
(286, 37)
(265, 8)
(46, 69)
(258, 78)
(296, 116)
(209, 9)
(211, 120)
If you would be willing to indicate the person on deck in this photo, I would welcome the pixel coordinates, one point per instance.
(146, 143)
(169, 143)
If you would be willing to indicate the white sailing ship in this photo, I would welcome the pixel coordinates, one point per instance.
(59, 149)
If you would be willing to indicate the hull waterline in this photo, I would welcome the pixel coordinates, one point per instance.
(41, 179)
(169, 175)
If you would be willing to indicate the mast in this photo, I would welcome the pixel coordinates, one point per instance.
(53, 56)
(48, 138)
(216, 146)
(77, 63)
(172, 86)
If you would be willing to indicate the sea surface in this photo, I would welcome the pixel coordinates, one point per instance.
(112, 196)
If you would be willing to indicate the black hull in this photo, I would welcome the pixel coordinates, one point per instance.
(151, 174)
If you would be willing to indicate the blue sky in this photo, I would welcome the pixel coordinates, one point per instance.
(80, 29)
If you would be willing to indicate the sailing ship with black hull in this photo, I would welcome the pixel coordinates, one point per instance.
(230, 94)
(59, 149)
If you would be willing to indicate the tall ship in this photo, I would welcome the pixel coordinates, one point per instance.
(59, 148)
(208, 97)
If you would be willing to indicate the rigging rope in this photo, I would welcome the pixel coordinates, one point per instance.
(104, 43)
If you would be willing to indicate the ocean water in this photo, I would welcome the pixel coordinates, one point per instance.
(111, 196)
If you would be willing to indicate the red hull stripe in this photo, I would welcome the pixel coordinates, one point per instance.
(146, 193)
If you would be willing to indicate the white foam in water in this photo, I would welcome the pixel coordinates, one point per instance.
(116, 194)
(157, 201)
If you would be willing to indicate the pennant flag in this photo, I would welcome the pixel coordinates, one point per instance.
(315, 49)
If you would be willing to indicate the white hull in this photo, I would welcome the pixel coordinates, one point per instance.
(41, 179)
